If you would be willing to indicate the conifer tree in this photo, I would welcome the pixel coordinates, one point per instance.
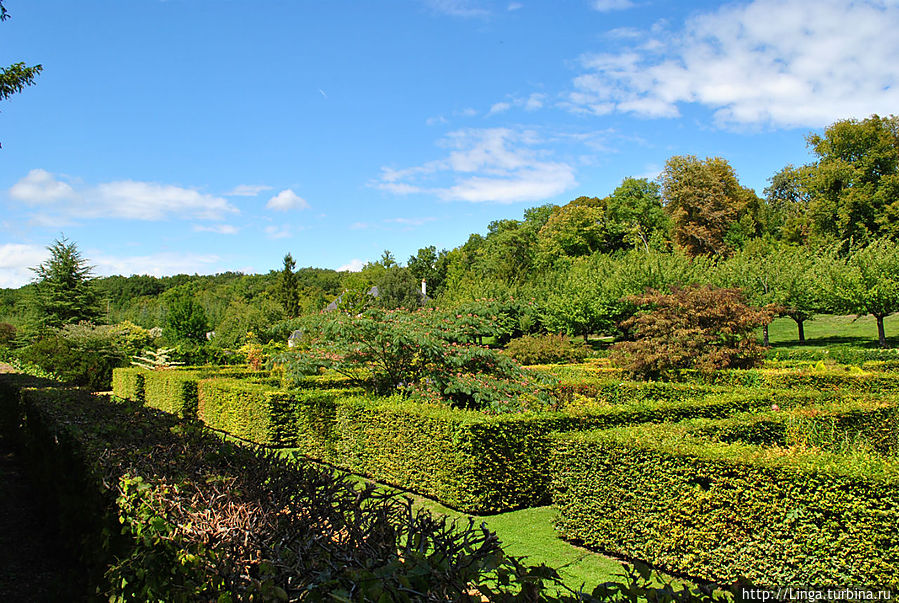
(63, 288)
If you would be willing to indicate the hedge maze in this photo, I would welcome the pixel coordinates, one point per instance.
(782, 475)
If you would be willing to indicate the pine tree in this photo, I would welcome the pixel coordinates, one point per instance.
(288, 288)
(63, 288)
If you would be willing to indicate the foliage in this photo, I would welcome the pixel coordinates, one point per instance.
(855, 182)
(163, 511)
(241, 318)
(398, 288)
(185, 319)
(86, 354)
(635, 216)
(430, 266)
(415, 354)
(575, 229)
(159, 358)
(867, 282)
(7, 333)
(546, 349)
(730, 500)
(705, 202)
(63, 290)
(288, 292)
(698, 327)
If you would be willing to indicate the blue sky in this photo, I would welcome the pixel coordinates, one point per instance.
(211, 135)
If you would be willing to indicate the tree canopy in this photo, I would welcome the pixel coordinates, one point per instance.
(63, 288)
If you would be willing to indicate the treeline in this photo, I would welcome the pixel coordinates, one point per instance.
(820, 239)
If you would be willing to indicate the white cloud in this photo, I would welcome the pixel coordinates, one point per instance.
(766, 62)
(247, 190)
(457, 8)
(124, 199)
(157, 264)
(499, 108)
(434, 121)
(286, 200)
(15, 261)
(604, 6)
(514, 6)
(354, 265)
(277, 232)
(498, 164)
(226, 229)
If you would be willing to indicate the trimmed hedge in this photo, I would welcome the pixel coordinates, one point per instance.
(674, 496)
(266, 416)
(128, 383)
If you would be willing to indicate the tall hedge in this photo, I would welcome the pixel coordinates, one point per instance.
(128, 383)
(677, 497)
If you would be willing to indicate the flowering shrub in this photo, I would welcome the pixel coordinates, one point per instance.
(422, 355)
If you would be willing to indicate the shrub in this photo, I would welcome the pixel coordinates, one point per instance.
(546, 349)
(415, 354)
(755, 500)
(7, 333)
(697, 327)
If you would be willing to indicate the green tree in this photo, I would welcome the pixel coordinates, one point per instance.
(16, 77)
(635, 215)
(706, 203)
(574, 229)
(867, 282)
(288, 288)
(854, 185)
(398, 288)
(787, 201)
(430, 266)
(185, 319)
(63, 290)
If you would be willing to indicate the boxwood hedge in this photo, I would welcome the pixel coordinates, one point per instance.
(736, 499)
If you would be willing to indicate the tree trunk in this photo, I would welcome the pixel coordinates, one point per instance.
(765, 340)
(881, 335)
(585, 337)
(801, 325)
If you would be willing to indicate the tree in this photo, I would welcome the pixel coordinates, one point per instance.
(854, 185)
(288, 288)
(16, 77)
(697, 327)
(429, 266)
(185, 319)
(705, 202)
(787, 200)
(867, 282)
(635, 215)
(398, 288)
(63, 288)
(574, 229)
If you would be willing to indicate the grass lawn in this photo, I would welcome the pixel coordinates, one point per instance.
(827, 330)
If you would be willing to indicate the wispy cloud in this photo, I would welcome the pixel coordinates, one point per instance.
(278, 232)
(16, 260)
(457, 8)
(605, 6)
(514, 6)
(124, 199)
(531, 102)
(225, 229)
(247, 190)
(766, 62)
(498, 164)
(287, 200)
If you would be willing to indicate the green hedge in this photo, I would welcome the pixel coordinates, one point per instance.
(128, 383)
(680, 498)
(173, 392)
(847, 380)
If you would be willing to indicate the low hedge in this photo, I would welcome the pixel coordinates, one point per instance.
(683, 498)
(267, 416)
(164, 511)
(845, 380)
(128, 383)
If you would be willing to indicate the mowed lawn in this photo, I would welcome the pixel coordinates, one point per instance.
(826, 330)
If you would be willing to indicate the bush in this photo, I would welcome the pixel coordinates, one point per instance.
(7, 333)
(738, 499)
(697, 327)
(546, 349)
(415, 354)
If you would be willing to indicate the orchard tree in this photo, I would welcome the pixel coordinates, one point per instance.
(867, 282)
(288, 288)
(705, 202)
(63, 290)
(16, 77)
(854, 185)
